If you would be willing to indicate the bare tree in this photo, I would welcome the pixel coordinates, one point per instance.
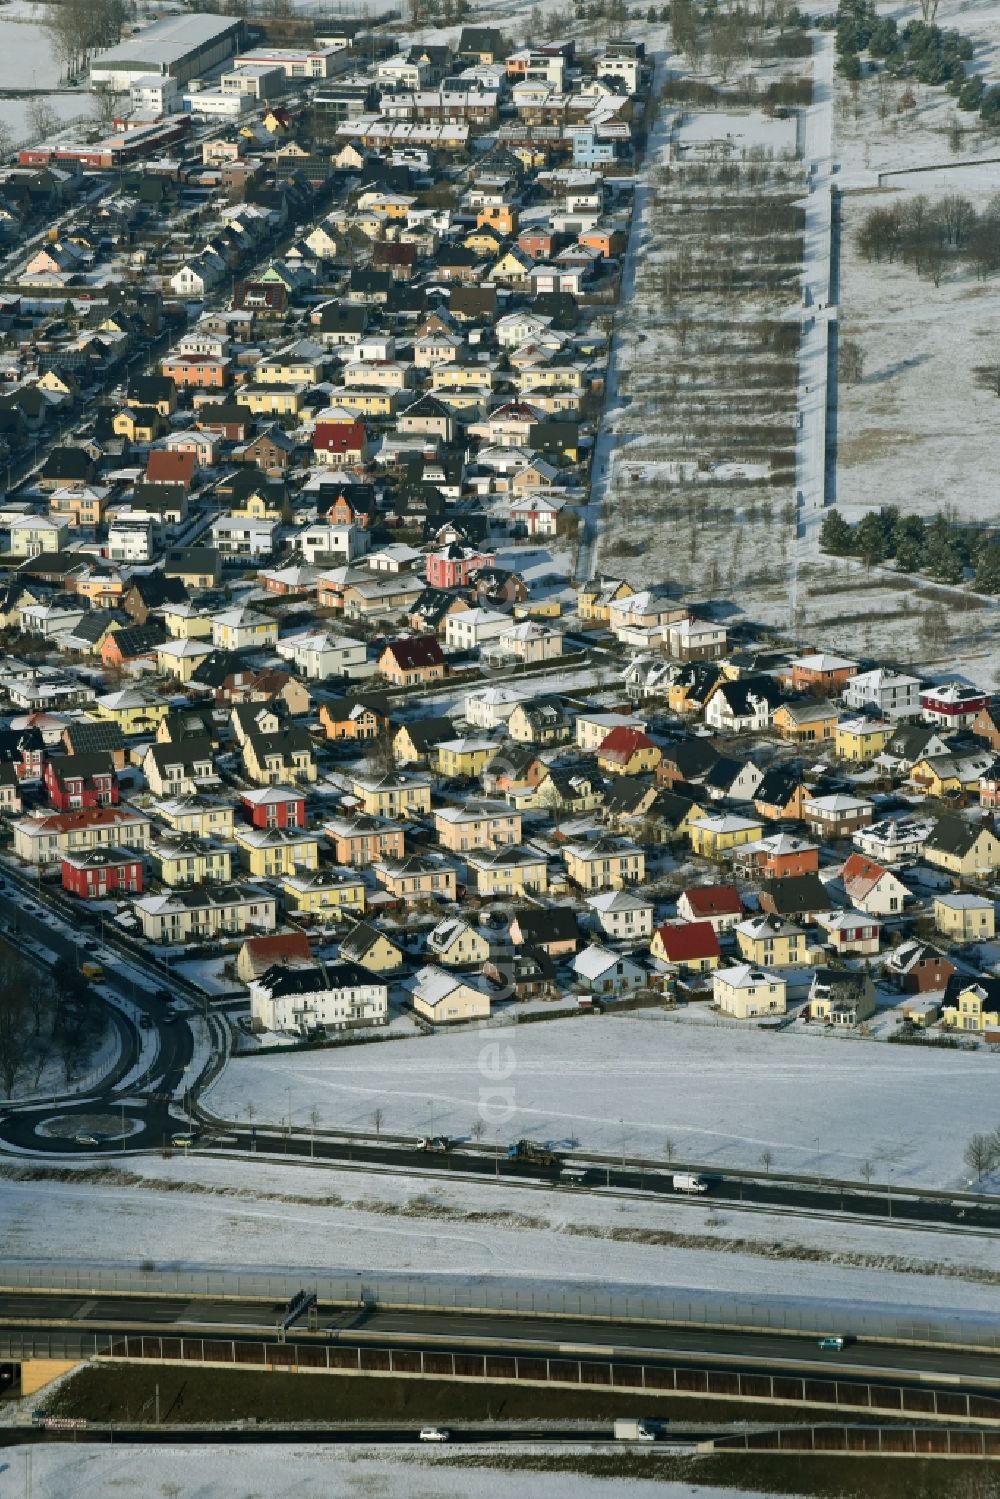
(669, 1148)
(767, 1160)
(867, 1172)
(981, 1154)
(107, 104)
(42, 119)
(928, 11)
(478, 1130)
(378, 1119)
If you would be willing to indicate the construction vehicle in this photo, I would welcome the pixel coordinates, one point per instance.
(531, 1152)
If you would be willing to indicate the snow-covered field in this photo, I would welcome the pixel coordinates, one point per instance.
(264, 1213)
(27, 61)
(634, 1082)
(294, 1472)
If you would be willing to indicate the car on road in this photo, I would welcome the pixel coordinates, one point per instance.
(831, 1344)
(434, 1434)
(189, 1137)
(86, 1139)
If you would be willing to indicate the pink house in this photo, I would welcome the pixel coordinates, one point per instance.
(453, 566)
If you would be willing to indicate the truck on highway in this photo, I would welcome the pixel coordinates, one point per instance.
(92, 971)
(629, 1430)
(686, 1181)
(434, 1144)
(533, 1153)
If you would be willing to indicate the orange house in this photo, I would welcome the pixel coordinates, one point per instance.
(606, 241)
(503, 217)
(823, 674)
(197, 371)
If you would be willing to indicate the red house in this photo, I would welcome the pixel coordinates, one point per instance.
(341, 444)
(98, 872)
(81, 781)
(274, 807)
(689, 944)
(454, 565)
(953, 705)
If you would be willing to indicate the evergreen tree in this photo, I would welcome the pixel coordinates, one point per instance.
(987, 578)
(836, 535)
(869, 539)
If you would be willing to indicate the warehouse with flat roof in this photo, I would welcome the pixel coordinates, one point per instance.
(182, 47)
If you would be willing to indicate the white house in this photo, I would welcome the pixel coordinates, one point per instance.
(889, 693)
(471, 628)
(198, 276)
(529, 642)
(894, 841)
(489, 707)
(339, 997)
(316, 654)
(322, 541)
(243, 536)
(604, 972)
(622, 915)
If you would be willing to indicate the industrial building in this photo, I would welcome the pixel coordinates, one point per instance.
(296, 62)
(184, 47)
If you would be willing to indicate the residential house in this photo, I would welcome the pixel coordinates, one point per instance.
(771, 942)
(748, 993)
(966, 849)
(690, 946)
(445, 998)
(325, 997)
(965, 918)
(457, 945)
(605, 974)
(720, 905)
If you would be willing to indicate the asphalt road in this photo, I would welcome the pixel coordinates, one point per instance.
(82, 1315)
(352, 1436)
(760, 1192)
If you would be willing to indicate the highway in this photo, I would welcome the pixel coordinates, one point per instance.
(761, 1192)
(672, 1440)
(82, 1316)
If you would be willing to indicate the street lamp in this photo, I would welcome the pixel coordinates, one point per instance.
(888, 1188)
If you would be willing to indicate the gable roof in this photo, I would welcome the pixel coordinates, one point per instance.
(687, 941)
(714, 900)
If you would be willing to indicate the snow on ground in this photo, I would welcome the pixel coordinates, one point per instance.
(632, 1082)
(309, 1472)
(262, 1213)
(27, 61)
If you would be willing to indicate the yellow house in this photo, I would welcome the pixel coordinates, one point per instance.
(976, 1007)
(392, 795)
(805, 722)
(445, 997)
(936, 775)
(716, 837)
(260, 505)
(80, 507)
(771, 942)
(862, 739)
(515, 870)
(512, 269)
(477, 379)
(269, 853)
(289, 369)
(628, 752)
(201, 816)
(963, 848)
(594, 599)
(59, 385)
(605, 864)
(965, 918)
(134, 711)
(745, 992)
(185, 622)
(272, 400)
(275, 759)
(138, 423)
(366, 945)
(456, 944)
(323, 891)
(181, 658)
(181, 859)
(465, 757)
(550, 377)
(368, 401)
(244, 630)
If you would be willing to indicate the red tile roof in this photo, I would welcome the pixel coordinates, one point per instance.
(167, 466)
(339, 437)
(622, 743)
(714, 900)
(688, 941)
